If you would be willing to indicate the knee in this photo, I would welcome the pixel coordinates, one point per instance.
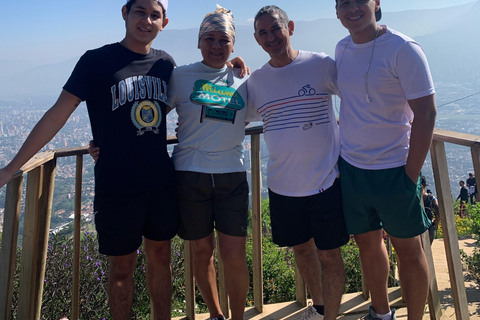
(305, 249)
(330, 257)
(121, 270)
(203, 252)
(158, 254)
(234, 258)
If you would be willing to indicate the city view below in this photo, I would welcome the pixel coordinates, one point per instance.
(17, 120)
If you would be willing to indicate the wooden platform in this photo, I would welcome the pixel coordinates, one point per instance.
(355, 307)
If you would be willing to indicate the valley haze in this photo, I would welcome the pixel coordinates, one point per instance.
(448, 35)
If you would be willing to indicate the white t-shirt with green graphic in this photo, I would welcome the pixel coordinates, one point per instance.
(211, 107)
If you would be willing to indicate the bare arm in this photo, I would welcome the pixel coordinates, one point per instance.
(425, 112)
(48, 126)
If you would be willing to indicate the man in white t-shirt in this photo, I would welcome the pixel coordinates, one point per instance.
(387, 117)
(291, 94)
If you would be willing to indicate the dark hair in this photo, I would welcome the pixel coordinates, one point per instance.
(271, 10)
(130, 3)
(461, 181)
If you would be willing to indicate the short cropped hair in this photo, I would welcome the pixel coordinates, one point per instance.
(271, 10)
(130, 3)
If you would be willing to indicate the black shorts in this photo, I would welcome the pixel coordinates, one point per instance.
(295, 220)
(122, 220)
(209, 201)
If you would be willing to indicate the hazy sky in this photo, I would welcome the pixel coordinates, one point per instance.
(53, 30)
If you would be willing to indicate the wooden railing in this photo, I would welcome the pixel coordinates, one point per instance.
(38, 204)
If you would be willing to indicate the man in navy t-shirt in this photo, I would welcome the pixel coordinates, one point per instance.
(125, 87)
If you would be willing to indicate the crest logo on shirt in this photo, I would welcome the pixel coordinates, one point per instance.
(146, 116)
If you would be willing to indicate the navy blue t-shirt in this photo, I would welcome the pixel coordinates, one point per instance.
(126, 95)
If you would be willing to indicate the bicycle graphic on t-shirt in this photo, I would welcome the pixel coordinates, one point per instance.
(307, 91)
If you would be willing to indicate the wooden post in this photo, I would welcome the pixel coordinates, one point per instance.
(300, 287)
(189, 281)
(38, 205)
(27, 292)
(44, 217)
(447, 218)
(8, 251)
(365, 288)
(476, 163)
(256, 188)
(434, 307)
(76, 239)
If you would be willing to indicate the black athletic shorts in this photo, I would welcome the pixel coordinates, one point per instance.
(295, 220)
(122, 220)
(208, 201)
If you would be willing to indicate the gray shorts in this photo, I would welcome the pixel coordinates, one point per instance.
(295, 220)
(209, 201)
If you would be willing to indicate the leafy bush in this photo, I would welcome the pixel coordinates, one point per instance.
(473, 261)
(278, 276)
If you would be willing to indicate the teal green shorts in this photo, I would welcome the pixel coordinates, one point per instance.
(387, 198)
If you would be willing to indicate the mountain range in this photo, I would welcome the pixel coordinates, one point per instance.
(449, 37)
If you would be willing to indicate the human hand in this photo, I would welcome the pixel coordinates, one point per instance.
(412, 174)
(238, 62)
(93, 151)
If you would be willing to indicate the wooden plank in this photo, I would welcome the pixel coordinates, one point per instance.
(444, 195)
(37, 160)
(26, 299)
(433, 299)
(463, 139)
(42, 230)
(189, 281)
(76, 239)
(476, 162)
(300, 287)
(71, 152)
(222, 288)
(365, 288)
(8, 252)
(256, 187)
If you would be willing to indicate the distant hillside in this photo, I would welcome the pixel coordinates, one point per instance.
(454, 52)
(449, 36)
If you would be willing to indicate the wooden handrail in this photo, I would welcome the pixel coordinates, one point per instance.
(40, 190)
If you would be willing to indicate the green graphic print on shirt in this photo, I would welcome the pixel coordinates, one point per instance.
(219, 102)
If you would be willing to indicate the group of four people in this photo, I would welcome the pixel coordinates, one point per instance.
(387, 115)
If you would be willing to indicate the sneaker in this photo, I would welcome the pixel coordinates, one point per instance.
(309, 314)
(372, 315)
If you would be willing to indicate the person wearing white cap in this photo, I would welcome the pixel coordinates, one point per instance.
(124, 86)
(387, 117)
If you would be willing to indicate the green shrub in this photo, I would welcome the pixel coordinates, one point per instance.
(278, 276)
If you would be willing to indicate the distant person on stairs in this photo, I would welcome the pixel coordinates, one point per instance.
(463, 196)
(472, 188)
(430, 204)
